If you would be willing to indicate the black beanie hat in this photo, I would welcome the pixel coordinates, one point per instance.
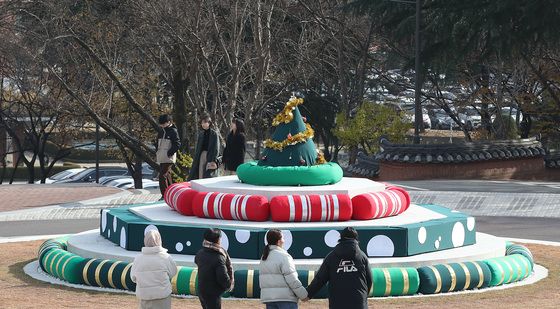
(349, 233)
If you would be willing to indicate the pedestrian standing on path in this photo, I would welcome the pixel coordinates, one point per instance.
(205, 162)
(234, 152)
(278, 278)
(215, 273)
(168, 144)
(347, 271)
(152, 271)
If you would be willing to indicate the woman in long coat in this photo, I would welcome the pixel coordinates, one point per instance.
(234, 153)
(205, 161)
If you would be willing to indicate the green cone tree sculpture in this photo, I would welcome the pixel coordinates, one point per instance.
(292, 141)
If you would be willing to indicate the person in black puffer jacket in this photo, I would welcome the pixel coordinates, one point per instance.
(168, 143)
(215, 274)
(346, 268)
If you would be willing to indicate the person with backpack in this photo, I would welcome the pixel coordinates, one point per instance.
(168, 144)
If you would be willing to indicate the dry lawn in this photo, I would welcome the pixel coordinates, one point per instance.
(17, 290)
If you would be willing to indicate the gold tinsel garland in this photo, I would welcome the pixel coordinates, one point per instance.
(286, 115)
(301, 137)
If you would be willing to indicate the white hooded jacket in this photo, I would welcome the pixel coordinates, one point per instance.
(152, 271)
(278, 278)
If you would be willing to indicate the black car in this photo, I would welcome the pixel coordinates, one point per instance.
(88, 175)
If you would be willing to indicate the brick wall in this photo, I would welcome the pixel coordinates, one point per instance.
(523, 168)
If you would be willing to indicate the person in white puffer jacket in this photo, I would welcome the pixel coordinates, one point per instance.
(278, 278)
(152, 271)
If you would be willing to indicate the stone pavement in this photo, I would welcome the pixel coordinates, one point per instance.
(84, 202)
(544, 205)
(16, 197)
(74, 202)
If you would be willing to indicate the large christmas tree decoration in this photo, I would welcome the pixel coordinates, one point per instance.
(290, 157)
(292, 141)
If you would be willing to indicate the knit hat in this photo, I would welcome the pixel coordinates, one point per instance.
(152, 238)
(349, 233)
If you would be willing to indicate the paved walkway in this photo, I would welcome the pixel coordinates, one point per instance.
(74, 201)
(478, 198)
(16, 197)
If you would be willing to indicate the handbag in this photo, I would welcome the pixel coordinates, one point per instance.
(161, 154)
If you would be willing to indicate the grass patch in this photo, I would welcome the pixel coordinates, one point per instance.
(21, 291)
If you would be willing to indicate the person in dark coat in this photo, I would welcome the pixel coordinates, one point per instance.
(215, 274)
(234, 153)
(205, 161)
(167, 145)
(347, 271)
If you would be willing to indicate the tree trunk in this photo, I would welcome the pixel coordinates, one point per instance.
(137, 174)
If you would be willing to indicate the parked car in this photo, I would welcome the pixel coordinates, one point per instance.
(104, 180)
(473, 118)
(441, 120)
(88, 175)
(146, 184)
(128, 183)
(62, 175)
(410, 115)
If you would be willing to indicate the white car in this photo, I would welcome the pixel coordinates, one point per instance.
(62, 175)
(128, 183)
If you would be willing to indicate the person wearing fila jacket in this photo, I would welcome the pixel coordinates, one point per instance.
(278, 278)
(152, 271)
(347, 271)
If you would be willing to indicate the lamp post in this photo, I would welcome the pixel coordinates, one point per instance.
(97, 153)
(418, 121)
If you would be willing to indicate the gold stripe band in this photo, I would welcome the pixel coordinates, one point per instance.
(110, 274)
(480, 275)
(310, 276)
(44, 261)
(174, 287)
(250, 275)
(518, 267)
(52, 263)
(406, 283)
(57, 265)
(467, 275)
(372, 283)
(64, 266)
(501, 269)
(453, 277)
(98, 271)
(192, 282)
(387, 282)
(507, 262)
(123, 276)
(84, 272)
(438, 279)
